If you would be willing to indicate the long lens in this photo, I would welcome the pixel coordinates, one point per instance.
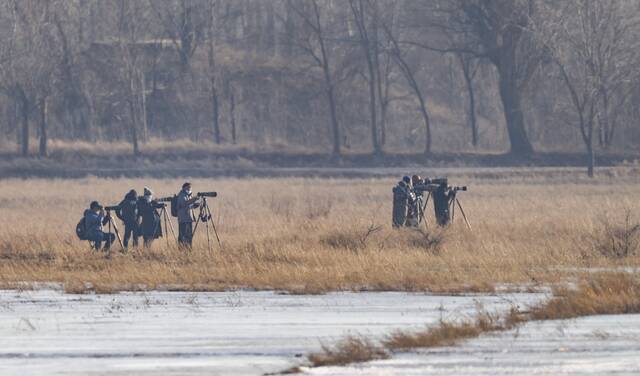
(109, 208)
(164, 199)
(207, 194)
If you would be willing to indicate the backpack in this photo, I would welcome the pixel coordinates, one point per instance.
(174, 206)
(81, 229)
(129, 211)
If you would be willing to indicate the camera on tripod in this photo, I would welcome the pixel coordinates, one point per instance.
(164, 199)
(111, 208)
(409, 202)
(207, 194)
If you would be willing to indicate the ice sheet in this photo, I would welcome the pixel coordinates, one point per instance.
(48, 332)
(596, 345)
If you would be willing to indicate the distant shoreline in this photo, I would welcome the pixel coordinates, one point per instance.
(166, 165)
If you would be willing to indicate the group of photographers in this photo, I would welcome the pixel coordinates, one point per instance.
(409, 205)
(406, 202)
(141, 219)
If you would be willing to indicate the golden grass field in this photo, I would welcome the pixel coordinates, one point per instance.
(310, 236)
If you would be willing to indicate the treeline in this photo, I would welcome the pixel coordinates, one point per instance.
(329, 75)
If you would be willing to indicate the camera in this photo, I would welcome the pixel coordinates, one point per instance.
(110, 208)
(164, 199)
(463, 188)
(207, 194)
(439, 181)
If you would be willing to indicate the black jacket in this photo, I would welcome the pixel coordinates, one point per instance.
(150, 218)
(128, 211)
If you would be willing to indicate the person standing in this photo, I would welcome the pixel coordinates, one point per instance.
(147, 210)
(128, 213)
(186, 204)
(94, 219)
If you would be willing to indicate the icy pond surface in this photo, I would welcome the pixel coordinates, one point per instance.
(47, 332)
(596, 345)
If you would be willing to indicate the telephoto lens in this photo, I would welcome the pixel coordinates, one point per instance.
(110, 208)
(207, 194)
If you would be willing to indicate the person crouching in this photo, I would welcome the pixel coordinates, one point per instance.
(95, 218)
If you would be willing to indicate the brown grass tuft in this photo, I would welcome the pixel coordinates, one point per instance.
(444, 334)
(352, 349)
(619, 239)
(599, 295)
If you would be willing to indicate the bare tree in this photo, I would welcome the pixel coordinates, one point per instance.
(32, 59)
(399, 56)
(132, 23)
(594, 57)
(469, 66)
(498, 31)
(313, 42)
(365, 18)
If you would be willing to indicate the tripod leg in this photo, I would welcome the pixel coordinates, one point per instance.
(164, 215)
(215, 231)
(115, 228)
(463, 214)
(452, 209)
(208, 237)
(426, 202)
(204, 203)
(168, 220)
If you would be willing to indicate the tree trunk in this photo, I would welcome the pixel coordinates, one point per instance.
(143, 108)
(383, 124)
(15, 122)
(591, 159)
(510, 95)
(215, 111)
(372, 106)
(134, 127)
(24, 109)
(232, 114)
(43, 107)
(468, 79)
(335, 128)
(472, 115)
(427, 123)
(335, 131)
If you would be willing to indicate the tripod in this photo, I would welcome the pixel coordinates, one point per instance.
(206, 217)
(421, 208)
(164, 216)
(111, 224)
(452, 208)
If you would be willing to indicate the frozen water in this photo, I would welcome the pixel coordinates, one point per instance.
(180, 333)
(596, 345)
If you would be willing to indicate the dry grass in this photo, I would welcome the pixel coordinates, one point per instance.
(314, 235)
(352, 349)
(444, 334)
(601, 294)
(618, 239)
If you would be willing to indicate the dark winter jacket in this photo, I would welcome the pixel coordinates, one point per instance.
(150, 226)
(128, 210)
(93, 222)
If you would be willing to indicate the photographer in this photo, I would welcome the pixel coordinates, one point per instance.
(150, 227)
(185, 215)
(95, 218)
(127, 212)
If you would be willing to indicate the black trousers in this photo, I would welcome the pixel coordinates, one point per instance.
(185, 234)
(130, 232)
